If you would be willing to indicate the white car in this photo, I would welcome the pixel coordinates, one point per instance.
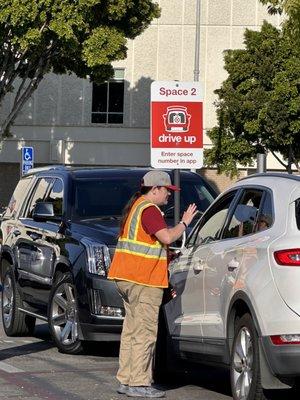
(237, 282)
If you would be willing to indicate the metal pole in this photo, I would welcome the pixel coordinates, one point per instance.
(197, 46)
(197, 42)
(261, 162)
(176, 197)
(196, 79)
(290, 160)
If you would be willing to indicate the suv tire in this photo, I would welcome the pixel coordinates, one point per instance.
(62, 316)
(244, 365)
(15, 322)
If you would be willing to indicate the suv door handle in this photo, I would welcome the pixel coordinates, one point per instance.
(16, 232)
(34, 236)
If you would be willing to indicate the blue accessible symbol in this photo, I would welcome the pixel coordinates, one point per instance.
(27, 159)
(27, 155)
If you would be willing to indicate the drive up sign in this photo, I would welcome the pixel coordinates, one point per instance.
(176, 125)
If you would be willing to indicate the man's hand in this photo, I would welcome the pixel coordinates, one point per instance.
(169, 235)
(189, 214)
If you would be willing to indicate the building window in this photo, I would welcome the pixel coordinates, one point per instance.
(108, 100)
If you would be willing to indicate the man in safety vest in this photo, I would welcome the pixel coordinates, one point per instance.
(139, 268)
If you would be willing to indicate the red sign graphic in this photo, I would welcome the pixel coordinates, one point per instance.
(177, 126)
(177, 119)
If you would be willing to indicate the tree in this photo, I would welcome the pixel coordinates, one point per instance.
(258, 107)
(64, 36)
(292, 10)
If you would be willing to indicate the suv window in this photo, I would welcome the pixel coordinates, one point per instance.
(56, 196)
(39, 193)
(244, 217)
(212, 222)
(17, 197)
(102, 197)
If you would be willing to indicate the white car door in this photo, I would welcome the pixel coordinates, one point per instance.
(185, 312)
(227, 262)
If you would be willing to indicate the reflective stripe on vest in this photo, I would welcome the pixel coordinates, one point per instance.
(141, 249)
(135, 219)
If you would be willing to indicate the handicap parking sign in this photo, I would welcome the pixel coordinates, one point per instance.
(27, 159)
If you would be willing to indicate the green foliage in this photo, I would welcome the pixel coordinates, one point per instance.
(291, 8)
(258, 105)
(66, 36)
(93, 31)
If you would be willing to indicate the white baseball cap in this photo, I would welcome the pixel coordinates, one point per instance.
(158, 178)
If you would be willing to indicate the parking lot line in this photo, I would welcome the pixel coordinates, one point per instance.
(9, 368)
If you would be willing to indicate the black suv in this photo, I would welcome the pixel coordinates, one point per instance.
(58, 235)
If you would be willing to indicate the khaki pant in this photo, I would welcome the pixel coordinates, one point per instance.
(139, 333)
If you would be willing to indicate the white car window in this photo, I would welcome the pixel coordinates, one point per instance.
(244, 218)
(266, 214)
(211, 224)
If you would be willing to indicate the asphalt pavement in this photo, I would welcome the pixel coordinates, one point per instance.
(31, 368)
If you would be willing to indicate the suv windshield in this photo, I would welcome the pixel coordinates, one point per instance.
(96, 198)
(191, 192)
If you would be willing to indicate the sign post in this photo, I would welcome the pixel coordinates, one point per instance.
(27, 160)
(176, 127)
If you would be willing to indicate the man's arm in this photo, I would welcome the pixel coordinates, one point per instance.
(169, 235)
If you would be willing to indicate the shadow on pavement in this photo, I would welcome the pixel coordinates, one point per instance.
(28, 348)
(217, 380)
(41, 332)
(96, 349)
(207, 377)
(101, 349)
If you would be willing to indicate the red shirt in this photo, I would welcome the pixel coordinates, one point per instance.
(152, 220)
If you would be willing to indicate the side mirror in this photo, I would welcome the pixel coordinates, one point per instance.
(43, 211)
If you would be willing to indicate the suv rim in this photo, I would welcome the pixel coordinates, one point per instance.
(64, 315)
(7, 301)
(242, 367)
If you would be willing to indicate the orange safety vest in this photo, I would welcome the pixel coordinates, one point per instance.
(139, 257)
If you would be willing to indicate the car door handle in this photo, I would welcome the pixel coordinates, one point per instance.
(198, 264)
(230, 269)
(16, 232)
(34, 236)
(233, 264)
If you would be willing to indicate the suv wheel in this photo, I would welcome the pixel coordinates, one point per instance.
(15, 322)
(244, 366)
(63, 319)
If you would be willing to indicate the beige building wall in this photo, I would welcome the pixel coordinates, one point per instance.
(56, 121)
